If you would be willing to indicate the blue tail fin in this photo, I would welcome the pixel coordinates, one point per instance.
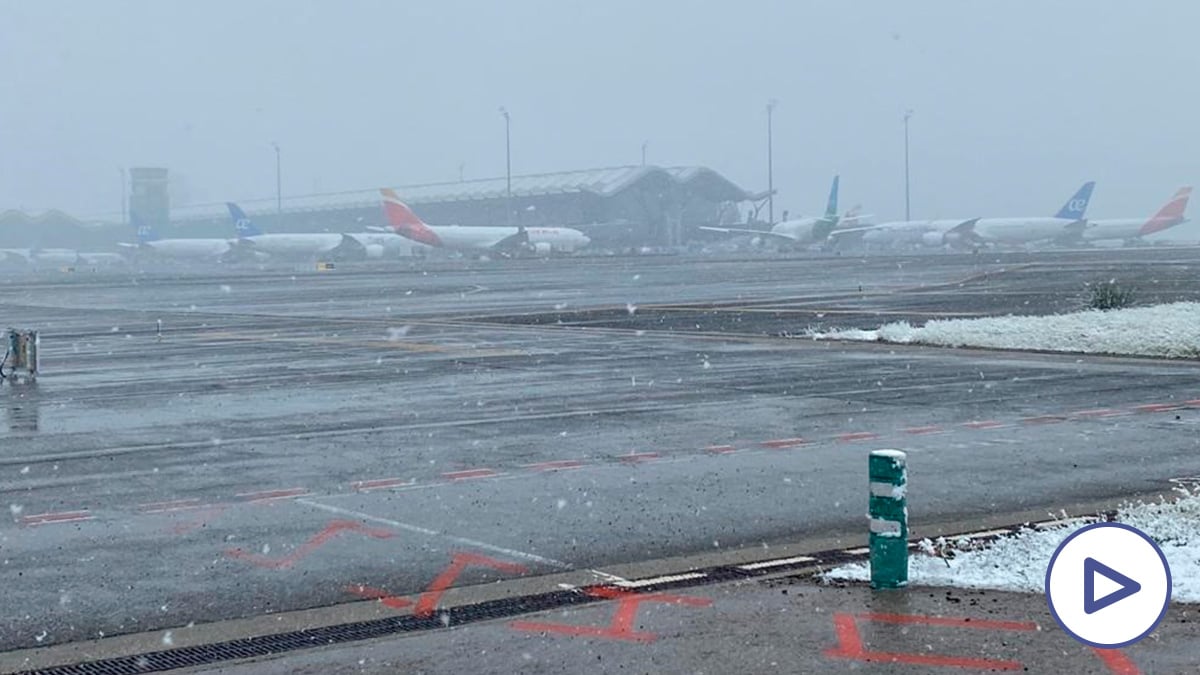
(145, 233)
(1076, 206)
(241, 222)
(831, 206)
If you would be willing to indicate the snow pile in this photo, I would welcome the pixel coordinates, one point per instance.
(1171, 330)
(1018, 562)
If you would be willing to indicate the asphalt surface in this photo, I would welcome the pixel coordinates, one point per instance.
(292, 435)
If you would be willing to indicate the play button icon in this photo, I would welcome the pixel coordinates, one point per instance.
(1092, 604)
(1108, 585)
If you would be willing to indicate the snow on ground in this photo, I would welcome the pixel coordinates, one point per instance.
(1171, 330)
(1018, 562)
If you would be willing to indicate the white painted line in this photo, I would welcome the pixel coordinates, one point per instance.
(777, 563)
(985, 533)
(666, 579)
(857, 551)
(512, 553)
(272, 495)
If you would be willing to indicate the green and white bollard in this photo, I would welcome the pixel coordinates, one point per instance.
(889, 519)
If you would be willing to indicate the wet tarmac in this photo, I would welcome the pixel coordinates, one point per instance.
(291, 435)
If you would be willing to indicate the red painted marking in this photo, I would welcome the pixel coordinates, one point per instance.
(1043, 419)
(621, 626)
(931, 429)
(639, 457)
(721, 449)
(1117, 662)
(51, 518)
(1098, 412)
(850, 646)
(272, 495)
(780, 443)
(380, 484)
(175, 505)
(557, 465)
(857, 436)
(986, 424)
(1195, 403)
(331, 530)
(955, 622)
(428, 601)
(377, 594)
(1156, 407)
(469, 474)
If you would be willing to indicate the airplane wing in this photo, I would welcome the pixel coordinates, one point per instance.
(517, 241)
(751, 233)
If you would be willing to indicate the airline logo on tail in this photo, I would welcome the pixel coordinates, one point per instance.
(831, 205)
(1170, 215)
(406, 223)
(145, 233)
(1076, 206)
(241, 222)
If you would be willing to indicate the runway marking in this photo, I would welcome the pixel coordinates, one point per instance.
(985, 424)
(665, 579)
(776, 563)
(1157, 407)
(1043, 419)
(54, 518)
(416, 529)
(428, 601)
(918, 431)
(1116, 662)
(555, 465)
(622, 625)
(272, 495)
(318, 540)
(169, 506)
(639, 457)
(850, 643)
(381, 484)
(781, 443)
(469, 474)
(855, 436)
(721, 449)
(1098, 412)
(1194, 403)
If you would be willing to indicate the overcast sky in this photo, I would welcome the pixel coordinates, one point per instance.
(1016, 103)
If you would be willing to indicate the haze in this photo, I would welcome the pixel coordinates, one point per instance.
(1015, 103)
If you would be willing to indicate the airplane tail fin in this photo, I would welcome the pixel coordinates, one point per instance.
(404, 222)
(831, 205)
(241, 222)
(145, 233)
(1076, 206)
(1170, 214)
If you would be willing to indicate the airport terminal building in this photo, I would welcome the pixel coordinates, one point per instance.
(616, 207)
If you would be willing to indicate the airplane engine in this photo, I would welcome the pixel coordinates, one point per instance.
(936, 238)
(542, 248)
(374, 251)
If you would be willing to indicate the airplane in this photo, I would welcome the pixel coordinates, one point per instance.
(969, 232)
(1133, 229)
(182, 249)
(282, 245)
(477, 239)
(1064, 225)
(36, 255)
(798, 231)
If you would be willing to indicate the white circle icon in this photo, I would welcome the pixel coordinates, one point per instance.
(1108, 585)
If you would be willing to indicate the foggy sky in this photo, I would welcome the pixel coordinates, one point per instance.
(1016, 103)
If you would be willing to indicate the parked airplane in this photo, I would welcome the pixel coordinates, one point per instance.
(1133, 229)
(354, 245)
(798, 231)
(509, 240)
(962, 232)
(182, 249)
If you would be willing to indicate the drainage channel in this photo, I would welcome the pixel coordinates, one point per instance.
(280, 643)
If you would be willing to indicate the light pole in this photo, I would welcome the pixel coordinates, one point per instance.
(278, 181)
(507, 167)
(907, 213)
(124, 216)
(770, 166)
(644, 144)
